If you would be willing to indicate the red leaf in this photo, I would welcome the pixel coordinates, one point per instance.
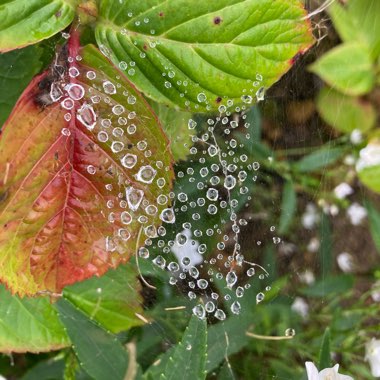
(78, 185)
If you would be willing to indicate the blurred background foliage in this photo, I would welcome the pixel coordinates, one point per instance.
(316, 137)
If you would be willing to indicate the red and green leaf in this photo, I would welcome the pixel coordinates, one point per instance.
(70, 204)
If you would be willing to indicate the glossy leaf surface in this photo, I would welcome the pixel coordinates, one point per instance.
(195, 54)
(80, 176)
(25, 22)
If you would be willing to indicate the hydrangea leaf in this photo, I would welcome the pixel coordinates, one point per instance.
(80, 175)
(358, 21)
(345, 113)
(29, 325)
(25, 22)
(347, 68)
(195, 55)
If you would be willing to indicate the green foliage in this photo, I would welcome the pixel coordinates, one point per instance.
(324, 354)
(29, 324)
(112, 300)
(99, 352)
(17, 68)
(25, 22)
(348, 68)
(346, 113)
(203, 47)
(189, 356)
(319, 159)
(216, 47)
(374, 223)
(359, 22)
(288, 207)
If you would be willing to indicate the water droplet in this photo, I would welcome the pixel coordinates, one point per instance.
(219, 314)
(201, 97)
(66, 131)
(260, 297)
(73, 72)
(229, 182)
(210, 306)
(143, 253)
(260, 94)
(212, 194)
(75, 91)
(231, 279)
(87, 116)
(202, 283)
(199, 311)
(134, 197)
(118, 109)
(236, 307)
(146, 174)
(159, 261)
(125, 217)
(167, 215)
(181, 239)
(191, 124)
(109, 87)
(290, 332)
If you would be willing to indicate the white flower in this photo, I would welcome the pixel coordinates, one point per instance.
(369, 156)
(356, 213)
(2, 377)
(343, 190)
(314, 245)
(310, 217)
(375, 294)
(301, 307)
(307, 277)
(325, 374)
(345, 262)
(189, 249)
(356, 137)
(372, 355)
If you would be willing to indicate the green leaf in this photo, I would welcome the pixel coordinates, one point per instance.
(175, 125)
(233, 329)
(99, 352)
(319, 159)
(288, 206)
(25, 22)
(374, 223)
(46, 370)
(195, 54)
(326, 254)
(370, 177)
(112, 299)
(345, 113)
(330, 286)
(358, 21)
(347, 68)
(189, 356)
(17, 68)
(324, 353)
(29, 325)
